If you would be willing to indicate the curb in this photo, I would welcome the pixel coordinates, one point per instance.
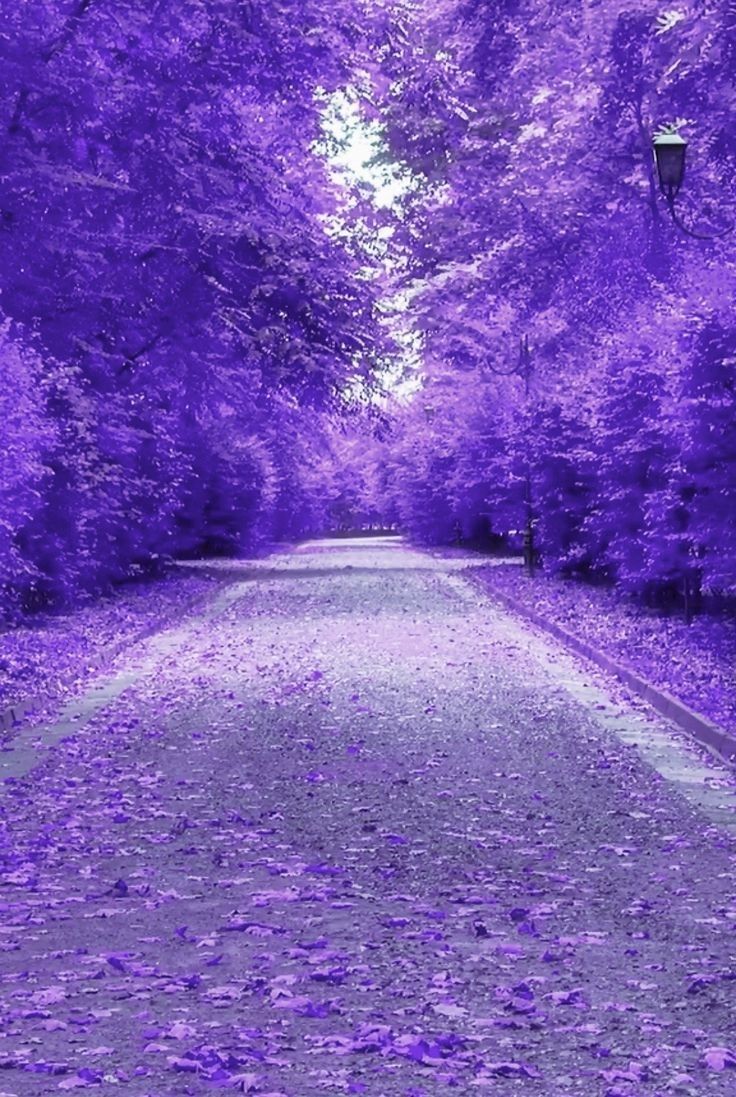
(14, 714)
(703, 731)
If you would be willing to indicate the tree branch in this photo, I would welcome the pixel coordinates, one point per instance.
(68, 30)
(60, 43)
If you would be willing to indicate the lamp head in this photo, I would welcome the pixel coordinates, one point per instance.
(669, 156)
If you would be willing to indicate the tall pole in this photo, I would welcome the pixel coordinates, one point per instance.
(525, 370)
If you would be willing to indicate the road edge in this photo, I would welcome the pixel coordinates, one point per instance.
(12, 716)
(698, 728)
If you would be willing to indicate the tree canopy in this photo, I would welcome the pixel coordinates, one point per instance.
(200, 319)
(539, 217)
(179, 315)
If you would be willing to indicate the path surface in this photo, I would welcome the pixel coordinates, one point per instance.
(353, 831)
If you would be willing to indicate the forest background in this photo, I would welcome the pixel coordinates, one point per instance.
(214, 334)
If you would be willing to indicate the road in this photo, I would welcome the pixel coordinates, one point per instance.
(353, 830)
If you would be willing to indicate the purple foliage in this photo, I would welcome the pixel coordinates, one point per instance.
(178, 324)
(539, 215)
(191, 303)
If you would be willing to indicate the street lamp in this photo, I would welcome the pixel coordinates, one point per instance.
(669, 157)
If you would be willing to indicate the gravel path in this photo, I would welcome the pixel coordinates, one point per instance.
(354, 831)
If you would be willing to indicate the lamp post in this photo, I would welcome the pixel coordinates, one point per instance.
(669, 151)
(523, 369)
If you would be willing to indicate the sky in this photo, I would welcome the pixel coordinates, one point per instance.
(357, 153)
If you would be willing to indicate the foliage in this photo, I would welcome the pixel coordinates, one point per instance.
(193, 299)
(539, 214)
(182, 321)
